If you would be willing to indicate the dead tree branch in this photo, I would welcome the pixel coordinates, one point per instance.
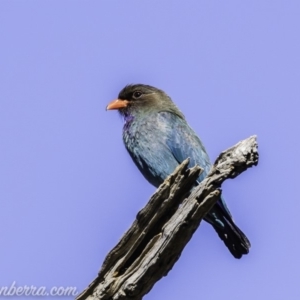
(154, 242)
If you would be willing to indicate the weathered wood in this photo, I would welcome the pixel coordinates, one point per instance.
(154, 242)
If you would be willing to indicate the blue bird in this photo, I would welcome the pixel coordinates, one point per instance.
(158, 139)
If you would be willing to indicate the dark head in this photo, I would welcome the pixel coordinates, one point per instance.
(140, 98)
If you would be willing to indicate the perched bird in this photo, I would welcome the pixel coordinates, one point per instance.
(158, 138)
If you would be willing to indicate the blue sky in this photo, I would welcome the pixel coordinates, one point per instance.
(68, 188)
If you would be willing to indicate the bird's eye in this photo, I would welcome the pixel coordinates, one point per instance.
(137, 94)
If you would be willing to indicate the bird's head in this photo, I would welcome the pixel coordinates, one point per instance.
(139, 98)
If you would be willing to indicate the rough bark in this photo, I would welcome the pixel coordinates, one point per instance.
(154, 242)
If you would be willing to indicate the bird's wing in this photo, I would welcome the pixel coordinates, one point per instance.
(183, 142)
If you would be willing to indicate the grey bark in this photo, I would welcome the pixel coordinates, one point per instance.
(154, 242)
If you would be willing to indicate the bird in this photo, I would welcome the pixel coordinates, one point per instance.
(158, 139)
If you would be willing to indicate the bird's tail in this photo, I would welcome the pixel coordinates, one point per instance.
(234, 239)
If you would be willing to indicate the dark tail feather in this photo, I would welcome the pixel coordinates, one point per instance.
(234, 239)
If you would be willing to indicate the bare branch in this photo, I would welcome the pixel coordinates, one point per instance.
(154, 242)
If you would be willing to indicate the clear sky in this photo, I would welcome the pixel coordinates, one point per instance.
(68, 188)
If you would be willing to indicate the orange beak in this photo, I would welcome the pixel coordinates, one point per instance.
(117, 104)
